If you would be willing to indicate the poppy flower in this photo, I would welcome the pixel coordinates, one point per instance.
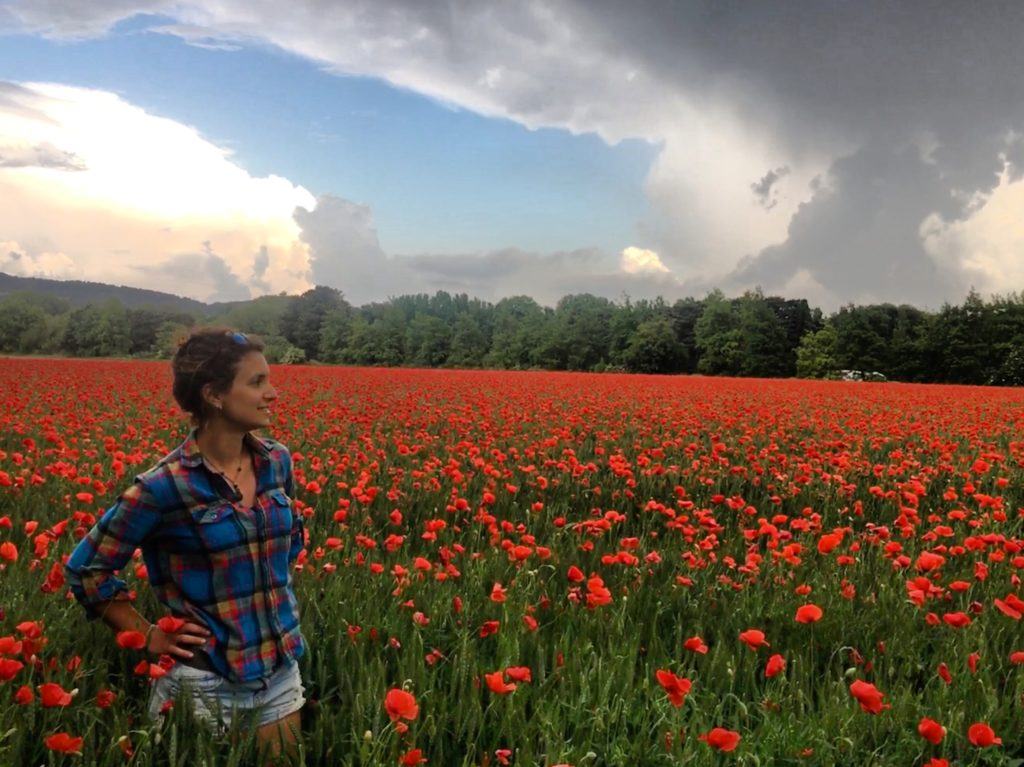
(496, 683)
(412, 758)
(676, 687)
(957, 620)
(488, 628)
(943, 672)
(498, 593)
(809, 613)
(64, 743)
(931, 730)
(753, 638)
(575, 574)
(982, 736)
(776, 664)
(401, 705)
(696, 644)
(869, 696)
(519, 673)
(51, 695)
(936, 762)
(721, 739)
(169, 624)
(9, 668)
(131, 640)
(24, 695)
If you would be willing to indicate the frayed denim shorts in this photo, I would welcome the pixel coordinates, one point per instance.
(218, 701)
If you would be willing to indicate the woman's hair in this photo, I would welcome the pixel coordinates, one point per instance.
(210, 355)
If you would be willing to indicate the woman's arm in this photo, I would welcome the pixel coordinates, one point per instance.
(108, 547)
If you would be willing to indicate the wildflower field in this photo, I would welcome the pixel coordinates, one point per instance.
(558, 569)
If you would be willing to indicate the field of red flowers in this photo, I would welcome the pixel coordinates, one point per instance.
(546, 568)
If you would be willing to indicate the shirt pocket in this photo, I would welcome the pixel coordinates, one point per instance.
(279, 514)
(217, 526)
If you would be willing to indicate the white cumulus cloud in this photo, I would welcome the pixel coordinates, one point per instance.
(121, 193)
(636, 260)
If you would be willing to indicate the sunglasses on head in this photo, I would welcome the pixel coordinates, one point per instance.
(238, 338)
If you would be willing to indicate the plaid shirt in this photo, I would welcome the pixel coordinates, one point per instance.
(208, 559)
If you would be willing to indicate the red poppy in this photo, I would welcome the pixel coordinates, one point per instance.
(721, 739)
(51, 695)
(412, 758)
(957, 620)
(488, 628)
(753, 638)
(931, 730)
(776, 664)
(982, 736)
(64, 743)
(498, 593)
(676, 687)
(869, 697)
(809, 613)
(696, 644)
(497, 684)
(519, 673)
(131, 640)
(24, 695)
(401, 705)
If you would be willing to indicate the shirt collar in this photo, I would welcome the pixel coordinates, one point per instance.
(191, 455)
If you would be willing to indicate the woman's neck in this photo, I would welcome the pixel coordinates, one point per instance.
(224, 446)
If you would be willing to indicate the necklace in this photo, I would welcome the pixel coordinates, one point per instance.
(238, 471)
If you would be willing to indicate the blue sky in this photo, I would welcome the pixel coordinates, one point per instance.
(544, 148)
(439, 179)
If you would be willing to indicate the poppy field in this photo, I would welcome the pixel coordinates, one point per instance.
(519, 568)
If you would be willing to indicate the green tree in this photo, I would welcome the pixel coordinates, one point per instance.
(301, 322)
(765, 349)
(654, 348)
(99, 330)
(718, 337)
(815, 356)
(428, 341)
(468, 344)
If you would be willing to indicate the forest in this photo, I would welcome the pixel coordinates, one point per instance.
(979, 341)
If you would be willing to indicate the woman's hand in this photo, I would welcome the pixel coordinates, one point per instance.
(177, 643)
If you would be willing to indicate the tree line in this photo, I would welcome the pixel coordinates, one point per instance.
(977, 342)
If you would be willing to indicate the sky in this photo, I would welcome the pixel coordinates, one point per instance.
(834, 151)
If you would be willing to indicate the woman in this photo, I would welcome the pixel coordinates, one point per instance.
(219, 536)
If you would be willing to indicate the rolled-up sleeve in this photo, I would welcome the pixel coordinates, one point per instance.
(108, 547)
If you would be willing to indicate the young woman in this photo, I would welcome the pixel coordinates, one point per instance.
(219, 536)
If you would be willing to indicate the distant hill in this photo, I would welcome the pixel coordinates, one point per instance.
(80, 293)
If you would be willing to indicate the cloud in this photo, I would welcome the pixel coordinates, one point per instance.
(636, 260)
(126, 196)
(763, 188)
(44, 155)
(875, 100)
(20, 262)
(345, 252)
(197, 273)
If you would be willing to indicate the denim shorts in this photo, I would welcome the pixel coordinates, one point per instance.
(217, 701)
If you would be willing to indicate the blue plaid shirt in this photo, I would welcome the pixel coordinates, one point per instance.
(208, 559)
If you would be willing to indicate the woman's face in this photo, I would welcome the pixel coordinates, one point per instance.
(248, 401)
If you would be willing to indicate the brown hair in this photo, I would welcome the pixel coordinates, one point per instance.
(210, 355)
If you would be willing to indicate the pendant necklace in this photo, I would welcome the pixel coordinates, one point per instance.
(238, 471)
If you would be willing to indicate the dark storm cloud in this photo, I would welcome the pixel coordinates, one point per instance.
(762, 188)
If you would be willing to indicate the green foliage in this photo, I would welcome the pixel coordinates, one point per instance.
(751, 335)
(654, 348)
(304, 317)
(816, 354)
